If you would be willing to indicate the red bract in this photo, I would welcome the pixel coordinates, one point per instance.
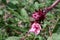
(39, 15)
(35, 28)
(42, 15)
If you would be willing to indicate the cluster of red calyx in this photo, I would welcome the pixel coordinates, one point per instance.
(38, 15)
(36, 27)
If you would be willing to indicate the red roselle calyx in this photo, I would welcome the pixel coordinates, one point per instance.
(38, 15)
(35, 28)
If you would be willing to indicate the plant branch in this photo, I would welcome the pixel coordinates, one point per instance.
(51, 7)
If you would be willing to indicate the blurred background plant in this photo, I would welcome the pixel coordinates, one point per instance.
(15, 18)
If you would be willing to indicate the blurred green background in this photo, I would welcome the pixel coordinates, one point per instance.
(15, 18)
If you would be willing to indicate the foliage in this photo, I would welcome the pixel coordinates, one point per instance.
(54, 36)
(15, 20)
(13, 38)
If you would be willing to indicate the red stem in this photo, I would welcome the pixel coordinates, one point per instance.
(50, 7)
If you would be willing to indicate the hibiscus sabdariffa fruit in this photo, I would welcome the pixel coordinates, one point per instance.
(38, 15)
(35, 28)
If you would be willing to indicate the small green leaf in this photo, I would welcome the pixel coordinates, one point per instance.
(1, 12)
(0, 35)
(13, 38)
(14, 1)
(31, 1)
(50, 16)
(24, 15)
(39, 38)
(41, 5)
(57, 27)
(45, 24)
(36, 5)
(54, 36)
(3, 34)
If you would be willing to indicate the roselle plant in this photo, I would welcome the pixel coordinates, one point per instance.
(40, 15)
(29, 19)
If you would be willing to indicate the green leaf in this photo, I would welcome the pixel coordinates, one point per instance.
(30, 1)
(57, 27)
(39, 38)
(23, 2)
(36, 5)
(1, 12)
(14, 2)
(54, 36)
(41, 5)
(31, 8)
(0, 35)
(24, 15)
(50, 16)
(12, 6)
(23, 12)
(13, 38)
(3, 34)
(45, 24)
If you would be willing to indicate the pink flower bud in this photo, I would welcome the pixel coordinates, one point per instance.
(35, 28)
